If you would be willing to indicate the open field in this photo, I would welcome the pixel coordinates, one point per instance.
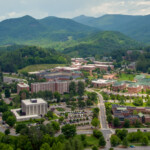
(39, 67)
(127, 77)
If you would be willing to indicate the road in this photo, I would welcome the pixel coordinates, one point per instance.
(103, 120)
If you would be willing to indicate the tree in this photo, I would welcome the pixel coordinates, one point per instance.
(145, 141)
(56, 126)
(69, 130)
(72, 88)
(125, 142)
(102, 141)
(7, 93)
(6, 115)
(11, 120)
(94, 148)
(95, 122)
(116, 122)
(24, 94)
(135, 112)
(81, 88)
(57, 96)
(61, 119)
(81, 104)
(89, 102)
(121, 133)
(97, 133)
(77, 144)
(7, 131)
(148, 102)
(137, 124)
(45, 146)
(67, 146)
(19, 127)
(115, 140)
(109, 118)
(126, 123)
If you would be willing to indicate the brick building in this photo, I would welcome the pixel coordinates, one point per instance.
(53, 86)
(22, 86)
(119, 86)
(134, 88)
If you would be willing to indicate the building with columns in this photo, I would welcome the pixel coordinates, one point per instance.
(34, 107)
(31, 109)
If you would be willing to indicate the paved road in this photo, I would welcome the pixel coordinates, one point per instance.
(136, 148)
(103, 120)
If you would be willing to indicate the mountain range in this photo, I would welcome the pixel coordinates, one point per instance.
(28, 30)
(136, 27)
(79, 34)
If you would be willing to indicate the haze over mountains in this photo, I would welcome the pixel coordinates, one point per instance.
(136, 27)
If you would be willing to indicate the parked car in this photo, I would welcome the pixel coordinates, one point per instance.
(132, 146)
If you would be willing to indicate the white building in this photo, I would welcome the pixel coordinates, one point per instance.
(31, 109)
(34, 107)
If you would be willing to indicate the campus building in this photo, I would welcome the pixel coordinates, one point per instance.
(34, 107)
(117, 86)
(30, 109)
(102, 83)
(127, 112)
(60, 74)
(134, 88)
(53, 86)
(22, 86)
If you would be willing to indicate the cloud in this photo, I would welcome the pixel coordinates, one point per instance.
(72, 8)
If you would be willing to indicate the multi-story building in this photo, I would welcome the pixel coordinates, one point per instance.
(34, 107)
(31, 109)
(53, 86)
(22, 86)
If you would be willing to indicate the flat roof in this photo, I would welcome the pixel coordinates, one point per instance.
(102, 81)
(23, 84)
(29, 102)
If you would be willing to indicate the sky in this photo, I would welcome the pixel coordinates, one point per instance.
(71, 8)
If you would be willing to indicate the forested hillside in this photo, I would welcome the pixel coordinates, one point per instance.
(136, 27)
(47, 32)
(102, 43)
(11, 61)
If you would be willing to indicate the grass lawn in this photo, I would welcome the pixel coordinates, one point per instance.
(13, 76)
(90, 139)
(54, 117)
(131, 104)
(128, 77)
(39, 67)
(60, 109)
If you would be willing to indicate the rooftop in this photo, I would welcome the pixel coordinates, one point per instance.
(119, 83)
(102, 81)
(34, 101)
(22, 84)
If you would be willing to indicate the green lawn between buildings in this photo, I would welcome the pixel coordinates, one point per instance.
(39, 67)
(127, 77)
(90, 139)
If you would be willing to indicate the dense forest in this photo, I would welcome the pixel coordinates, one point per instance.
(12, 60)
(136, 27)
(143, 61)
(102, 43)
